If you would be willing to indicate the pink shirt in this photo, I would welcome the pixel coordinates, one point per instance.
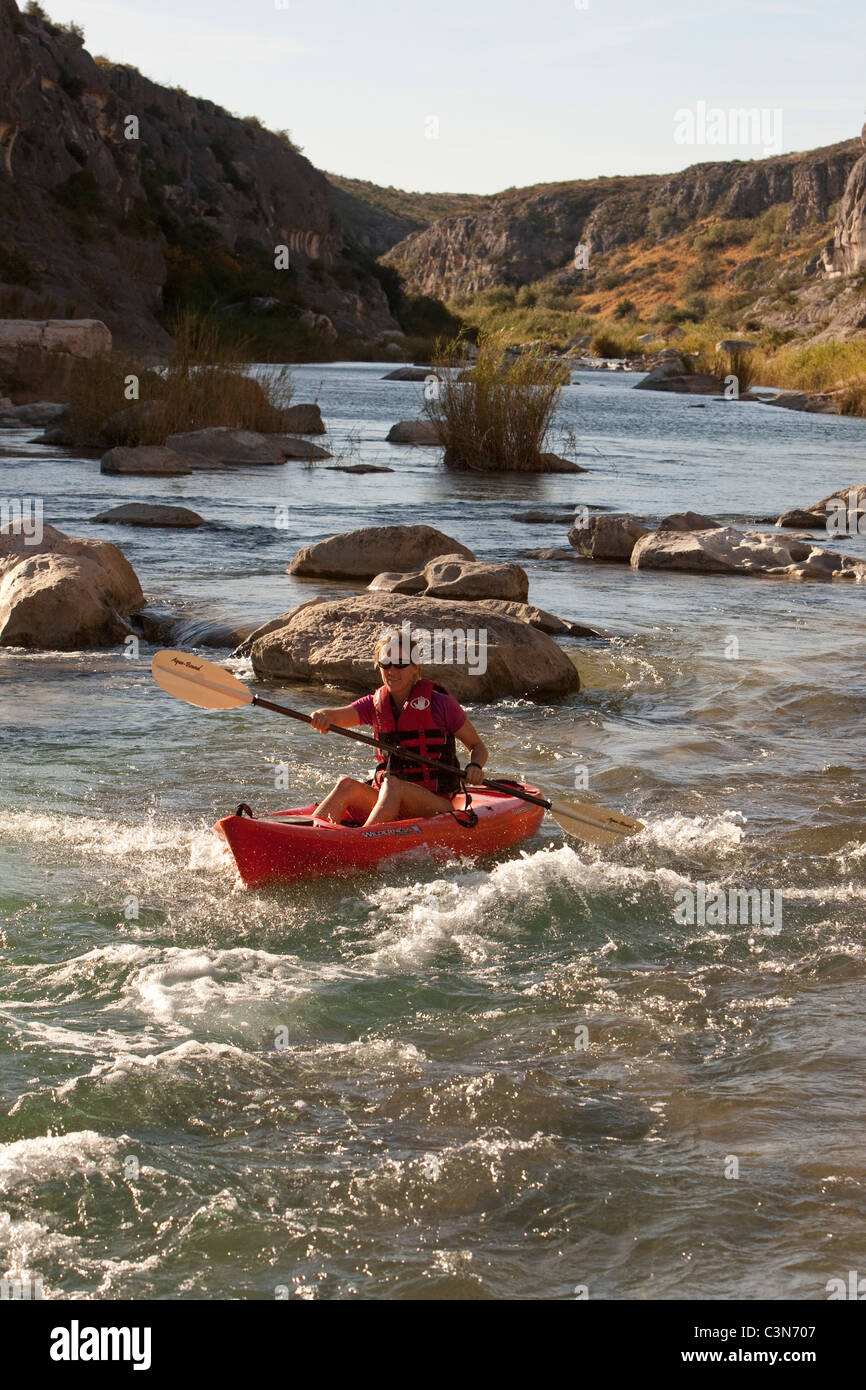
(447, 714)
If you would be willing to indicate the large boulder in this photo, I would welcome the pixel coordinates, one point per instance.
(218, 446)
(735, 346)
(38, 356)
(725, 550)
(609, 537)
(331, 642)
(149, 514)
(303, 419)
(64, 593)
(413, 432)
(363, 554)
(145, 460)
(450, 576)
(409, 374)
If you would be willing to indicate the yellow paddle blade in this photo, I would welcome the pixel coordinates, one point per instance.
(594, 824)
(199, 682)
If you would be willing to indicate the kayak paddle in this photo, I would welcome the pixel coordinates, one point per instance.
(208, 686)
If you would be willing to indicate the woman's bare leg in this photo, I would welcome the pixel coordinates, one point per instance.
(398, 800)
(348, 792)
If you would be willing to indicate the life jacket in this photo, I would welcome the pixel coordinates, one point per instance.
(415, 730)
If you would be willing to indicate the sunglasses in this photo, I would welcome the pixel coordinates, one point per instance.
(400, 665)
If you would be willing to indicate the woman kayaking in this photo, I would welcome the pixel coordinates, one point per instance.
(420, 716)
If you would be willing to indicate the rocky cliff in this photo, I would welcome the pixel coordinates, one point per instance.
(119, 198)
(754, 230)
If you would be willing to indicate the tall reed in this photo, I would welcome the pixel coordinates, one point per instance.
(496, 415)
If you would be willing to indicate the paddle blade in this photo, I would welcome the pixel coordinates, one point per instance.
(198, 682)
(594, 824)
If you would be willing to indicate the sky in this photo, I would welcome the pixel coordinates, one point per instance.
(479, 95)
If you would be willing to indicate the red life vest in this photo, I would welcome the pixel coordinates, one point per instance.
(414, 729)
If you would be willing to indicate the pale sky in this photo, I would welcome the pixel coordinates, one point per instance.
(478, 95)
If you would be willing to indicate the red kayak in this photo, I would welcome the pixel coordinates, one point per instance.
(292, 845)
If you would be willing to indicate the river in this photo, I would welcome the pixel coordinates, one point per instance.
(534, 1080)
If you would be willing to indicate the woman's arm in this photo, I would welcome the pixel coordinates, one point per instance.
(478, 753)
(345, 717)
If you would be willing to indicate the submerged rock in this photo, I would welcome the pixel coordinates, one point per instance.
(362, 554)
(330, 642)
(149, 514)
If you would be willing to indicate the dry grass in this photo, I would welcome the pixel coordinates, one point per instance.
(116, 401)
(497, 416)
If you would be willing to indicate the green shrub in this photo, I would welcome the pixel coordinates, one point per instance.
(626, 308)
(728, 232)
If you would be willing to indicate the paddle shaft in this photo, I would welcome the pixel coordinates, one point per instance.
(400, 752)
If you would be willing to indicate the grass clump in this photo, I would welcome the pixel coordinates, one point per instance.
(494, 418)
(113, 400)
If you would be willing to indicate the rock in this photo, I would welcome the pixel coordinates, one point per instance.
(673, 371)
(361, 554)
(40, 353)
(453, 577)
(34, 413)
(331, 643)
(734, 346)
(552, 463)
(842, 509)
(303, 419)
(687, 521)
(320, 323)
(611, 537)
(63, 593)
(219, 446)
(299, 448)
(152, 460)
(724, 550)
(814, 402)
(537, 617)
(413, 432)
(149, 514)
(410, 374)
(799, 518)
(358, 468)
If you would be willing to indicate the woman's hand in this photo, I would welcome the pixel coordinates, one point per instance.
(321, 720)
